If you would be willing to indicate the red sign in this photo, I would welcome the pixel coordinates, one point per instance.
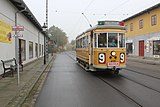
(17, 28)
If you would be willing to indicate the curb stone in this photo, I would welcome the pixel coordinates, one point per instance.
(32, 97)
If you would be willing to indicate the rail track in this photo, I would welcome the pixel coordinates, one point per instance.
(72, 56)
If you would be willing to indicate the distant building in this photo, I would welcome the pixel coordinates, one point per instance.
(143, 33)
(31, 40)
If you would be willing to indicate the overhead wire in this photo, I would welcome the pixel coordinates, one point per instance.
(88, 5)
(83, 12)
(116, 8)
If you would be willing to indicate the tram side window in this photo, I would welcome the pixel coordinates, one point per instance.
(102, 40)
(112, 39)
(87, 45)
(121, 40)
(78, 45)
(85, 42)
(81, 45)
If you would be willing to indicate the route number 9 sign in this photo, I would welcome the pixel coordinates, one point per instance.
(102, 58)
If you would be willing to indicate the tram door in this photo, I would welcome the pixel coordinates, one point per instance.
(91, 49)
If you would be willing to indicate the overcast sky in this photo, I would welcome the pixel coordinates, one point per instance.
(67, 14)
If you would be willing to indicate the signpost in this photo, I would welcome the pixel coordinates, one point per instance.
(17, 28)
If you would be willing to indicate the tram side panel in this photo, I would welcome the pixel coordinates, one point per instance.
(82, 54)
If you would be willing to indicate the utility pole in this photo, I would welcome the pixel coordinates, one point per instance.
(46, 38)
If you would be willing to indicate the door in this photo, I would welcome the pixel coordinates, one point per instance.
(141, 48)
(20, 50)
(91, 49)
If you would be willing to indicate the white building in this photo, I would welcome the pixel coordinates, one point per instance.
(31, 40)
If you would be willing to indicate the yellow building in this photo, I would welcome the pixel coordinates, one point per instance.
(143, 33)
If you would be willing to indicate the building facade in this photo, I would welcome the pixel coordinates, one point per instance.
(31, 40)
(143, 33)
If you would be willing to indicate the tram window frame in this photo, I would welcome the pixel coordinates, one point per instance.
(113, 41)
(103, 40)
(122, 38)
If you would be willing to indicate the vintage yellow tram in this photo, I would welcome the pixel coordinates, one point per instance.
(102, 47)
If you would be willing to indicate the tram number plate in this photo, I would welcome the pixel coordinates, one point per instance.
(113, 63)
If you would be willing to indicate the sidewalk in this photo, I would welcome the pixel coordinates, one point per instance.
(153, 61)
(13, 95)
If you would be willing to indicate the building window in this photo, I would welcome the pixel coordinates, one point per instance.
(42, 50)
(129, 47)
(141, 24)
(131, 27)
(36, 50)
(156, 47)
(30, 50)
(153, 20)
(39, 49)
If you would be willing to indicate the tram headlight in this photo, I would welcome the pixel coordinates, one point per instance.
(113, 53)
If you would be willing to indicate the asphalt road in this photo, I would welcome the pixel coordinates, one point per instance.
(68, 85)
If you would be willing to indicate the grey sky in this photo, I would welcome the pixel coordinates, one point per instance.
(67, 14)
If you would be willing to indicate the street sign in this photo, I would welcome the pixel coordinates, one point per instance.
(18, 35)
(17, 28)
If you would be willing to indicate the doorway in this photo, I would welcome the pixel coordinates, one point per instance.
(141, 48)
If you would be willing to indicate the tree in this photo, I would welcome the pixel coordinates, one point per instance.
(71, 46)
(58, 36)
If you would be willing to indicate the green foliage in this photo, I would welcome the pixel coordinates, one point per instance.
(58, 36)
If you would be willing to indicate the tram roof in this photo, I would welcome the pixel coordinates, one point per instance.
(105, 27)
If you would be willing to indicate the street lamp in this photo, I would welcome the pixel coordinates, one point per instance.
(44, 29)
(17, 45)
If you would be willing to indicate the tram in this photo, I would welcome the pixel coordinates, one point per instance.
(102, 47)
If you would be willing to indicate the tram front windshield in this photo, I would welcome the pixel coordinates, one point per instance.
(110, 40)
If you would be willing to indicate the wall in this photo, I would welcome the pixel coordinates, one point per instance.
(147, 27)
(146, 33)
(30, 33)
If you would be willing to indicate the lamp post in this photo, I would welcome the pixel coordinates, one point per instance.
(44, 29)
(17, 45)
